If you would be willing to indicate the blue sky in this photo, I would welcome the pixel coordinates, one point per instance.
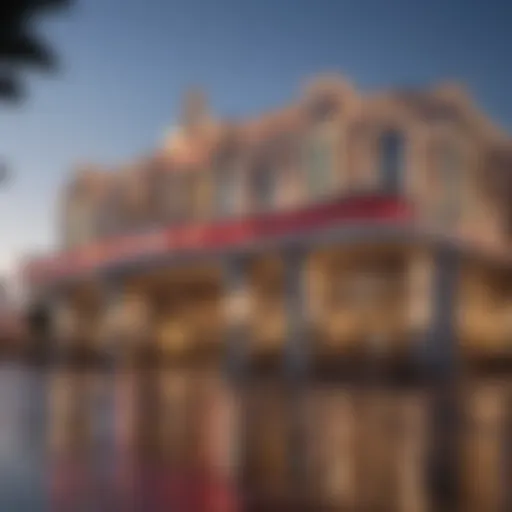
(125, 64)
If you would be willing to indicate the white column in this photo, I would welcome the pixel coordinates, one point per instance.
(297, 350)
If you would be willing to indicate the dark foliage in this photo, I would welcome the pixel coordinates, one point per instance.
(20, 46)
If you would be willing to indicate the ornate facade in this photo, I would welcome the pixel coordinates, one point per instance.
(366, 185)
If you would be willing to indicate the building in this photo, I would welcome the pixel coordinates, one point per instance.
(357, 190)
(343, 223)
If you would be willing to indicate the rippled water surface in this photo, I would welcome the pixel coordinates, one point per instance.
(73, 441)
(165, 440)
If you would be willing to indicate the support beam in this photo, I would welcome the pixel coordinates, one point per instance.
(442, 349)
(442, 374)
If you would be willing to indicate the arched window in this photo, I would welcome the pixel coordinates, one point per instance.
(391, 154)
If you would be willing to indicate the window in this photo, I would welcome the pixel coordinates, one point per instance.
(225, 190)
(81, 223)
(263, 186)
(391, 161)
(225, 177)
(318, 164)
(449, 167)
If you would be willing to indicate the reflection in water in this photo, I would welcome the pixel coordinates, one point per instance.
(143, 440)
(22, 396)
(182, 440)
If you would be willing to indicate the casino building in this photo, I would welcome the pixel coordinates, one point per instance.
(341, 224)
(325, 216)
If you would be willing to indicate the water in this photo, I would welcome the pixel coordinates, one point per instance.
(91, 441)
(22, 463)
(87, 441)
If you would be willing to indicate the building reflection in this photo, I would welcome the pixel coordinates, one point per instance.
(183, 440)
(68, 439)
(145, 439)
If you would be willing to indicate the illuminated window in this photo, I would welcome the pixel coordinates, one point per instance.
(391, 154)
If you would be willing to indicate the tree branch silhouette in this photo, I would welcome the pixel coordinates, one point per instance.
(20, 47)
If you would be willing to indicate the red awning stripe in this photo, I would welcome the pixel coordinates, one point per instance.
(217, 235)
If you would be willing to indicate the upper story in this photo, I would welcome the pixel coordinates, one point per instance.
(433, 147)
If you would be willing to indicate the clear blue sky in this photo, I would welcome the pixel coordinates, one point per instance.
(126, 62)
